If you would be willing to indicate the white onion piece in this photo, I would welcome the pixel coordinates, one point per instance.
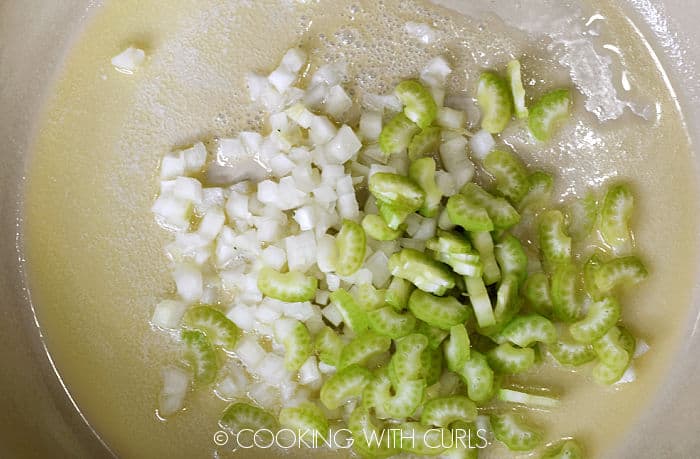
(378, 264)
(306, 217)
(438, 94)
(188, 281)
(172, 396)
(337, 102)
(301, 251)
(332, 314)
(300, 115)
(268, 311)
(481, 144)
(281, 165)
(330, 74)
(282, 79)
(321, 130)
(371, 125)
(234, 385)
(322, 297)
(244, 317)
(630, 375)
(641, 348)
(436, 72)
(129, 60)
(450, 118)
(211, 225)
(381, 103)
(271, 369)
(327, 253)
(332, 281)
(309, 374)
(265, 395)
(343, 146)
(173, 165)
(293, 60)
(301, 311)
(195, 158)
(172, 213)
(324, 195)
(454, 157)
(168, 313)
(249, 351)
(348, 208)
(212, 198)
(326, 369)
(344, 185)
(374, 168)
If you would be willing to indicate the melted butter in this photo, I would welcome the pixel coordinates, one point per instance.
(95, 255)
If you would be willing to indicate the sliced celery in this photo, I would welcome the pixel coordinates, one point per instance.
(548, 112)
(353, 316)
(528, 329)
(376, 228)
(478, 376)
(457, 347)
(292, 286)
(422, 171)
(465, 213)
(513, 431)
(396, 135)
(524, 398)
(483, 243)
(345, 385)
(398, 292)
(615, 214)
(305, 417)
(422, 271)
(297, 346)
(201, 355)
(239, 416)
(501, 212)
(511, 257)
(506, 358)
(361, 349)
(408, 395)
(443, 411)
(509, 173)
(494, 99)
(601, 316)
(387, 321)
(419, 105)
(516, 89)
(566, 302)
(536, 292)
(440, 312)
(218, 328)
(329, 346)
(425, 143)
(555, 245)
(479, 297)
(566, 449)
(352, 244)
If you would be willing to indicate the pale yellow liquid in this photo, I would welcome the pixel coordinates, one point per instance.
(94, 253)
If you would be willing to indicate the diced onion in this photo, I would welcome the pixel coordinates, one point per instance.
(129, 60)
(168, 313)
(481, 144)
(172, 396)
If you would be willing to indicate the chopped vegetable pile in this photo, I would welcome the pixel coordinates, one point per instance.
(352, 273)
